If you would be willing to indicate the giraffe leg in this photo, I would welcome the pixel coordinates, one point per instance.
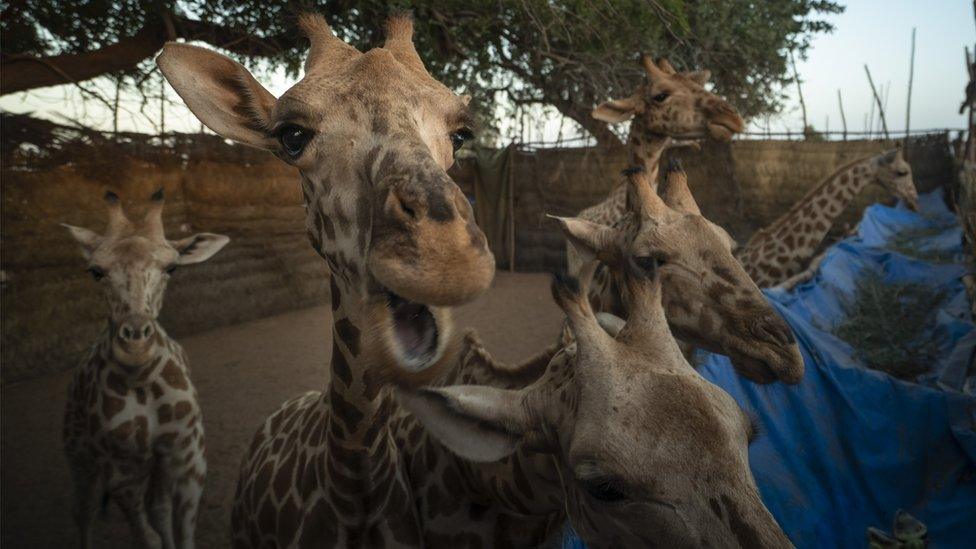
(187, 502)
(85, 480)
(132, 500)
(189, 489)
(161, 506)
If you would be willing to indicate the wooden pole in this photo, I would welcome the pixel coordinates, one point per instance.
(115, 107)
(511, 193)
(162, 104)
(908, 106)
(884, 123)
(799, 92)
(843, 119)
(870, 126)
(970, 151)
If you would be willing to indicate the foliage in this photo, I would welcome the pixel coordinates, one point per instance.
(568, 54)
(888, 323)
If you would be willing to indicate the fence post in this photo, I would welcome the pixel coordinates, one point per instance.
(884, 123)
(911, 75)
(843, 119)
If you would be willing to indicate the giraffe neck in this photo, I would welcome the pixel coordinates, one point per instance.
(646, 149)
(359, 458)
(358, 405)
(781, 250)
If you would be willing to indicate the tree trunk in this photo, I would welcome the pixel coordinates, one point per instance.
(597, 128)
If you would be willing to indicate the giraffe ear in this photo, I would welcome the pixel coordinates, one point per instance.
(220, 92)
(478, 423)
(618, 110)
(590, 240)
(199, 247)
(86, 238)
(700, 77)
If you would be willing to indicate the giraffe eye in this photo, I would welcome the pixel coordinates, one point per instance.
(96, 272)
(293, 139)
(605, 489)
(661, 97)
(459, 137)
(170, 269)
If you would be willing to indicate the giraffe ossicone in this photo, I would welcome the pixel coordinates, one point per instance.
(132, 427)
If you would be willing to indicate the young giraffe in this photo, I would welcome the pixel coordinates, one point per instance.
(645, 452)
(670, 106)
(372, 135)
(710, 301)
(132, 425)
(781, 250)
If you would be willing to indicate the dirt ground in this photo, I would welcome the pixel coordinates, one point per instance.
(243, 373)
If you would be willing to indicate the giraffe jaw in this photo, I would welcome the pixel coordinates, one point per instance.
(765, 365)
(132, 356)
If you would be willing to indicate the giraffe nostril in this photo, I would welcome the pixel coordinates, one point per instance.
(147, 331)
(402, 203)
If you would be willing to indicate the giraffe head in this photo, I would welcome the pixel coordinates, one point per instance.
(710, 300)
(647, 451)
(894, 174)
(372, 135)
(675, 104)
(133, 261)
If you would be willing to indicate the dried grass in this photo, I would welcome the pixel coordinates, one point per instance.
(909, 243)
(886, 324)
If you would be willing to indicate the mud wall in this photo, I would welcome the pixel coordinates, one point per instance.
(51, 309)
(743, 186)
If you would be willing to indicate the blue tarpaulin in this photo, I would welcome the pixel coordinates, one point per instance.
(848, 446)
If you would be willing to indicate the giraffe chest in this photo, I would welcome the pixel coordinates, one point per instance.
(112, 420)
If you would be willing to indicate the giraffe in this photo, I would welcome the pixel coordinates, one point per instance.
(132, 425)
(710, 301)
(780, 250)
(644, 451)
(670, 109)
(372, 134)
(718, 307)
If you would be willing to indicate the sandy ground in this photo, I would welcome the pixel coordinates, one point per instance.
(243, 373)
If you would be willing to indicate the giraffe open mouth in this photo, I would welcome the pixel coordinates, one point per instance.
(415, 332)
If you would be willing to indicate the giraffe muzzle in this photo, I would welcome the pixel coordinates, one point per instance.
(772, 355)
(724, 122)
(134, 339)
(426, 246)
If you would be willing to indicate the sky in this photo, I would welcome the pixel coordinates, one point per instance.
(872, 32)
(879, 33)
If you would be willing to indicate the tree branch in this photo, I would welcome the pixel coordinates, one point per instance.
(26, 72)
